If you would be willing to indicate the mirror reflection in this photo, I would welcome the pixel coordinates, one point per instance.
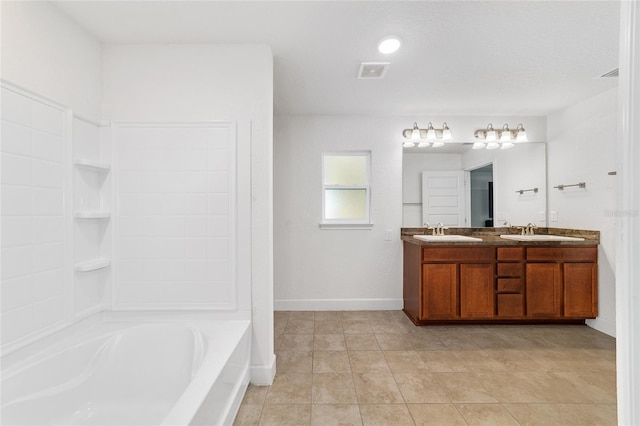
(463, 187)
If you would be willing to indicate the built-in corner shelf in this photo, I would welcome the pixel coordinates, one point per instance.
(93, 264)
(91, 214)
(95, 166)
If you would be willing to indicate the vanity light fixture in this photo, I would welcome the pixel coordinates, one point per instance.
(503, 141)
(426, 137)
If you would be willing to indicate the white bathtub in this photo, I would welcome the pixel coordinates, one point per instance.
(115, 372)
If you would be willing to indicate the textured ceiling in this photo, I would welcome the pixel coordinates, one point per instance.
(458, 57)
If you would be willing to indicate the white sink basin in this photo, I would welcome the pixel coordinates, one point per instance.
(446, 238)
(540, 238)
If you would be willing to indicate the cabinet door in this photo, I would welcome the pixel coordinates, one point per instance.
(439, 291)
(580, 290)
(476, 290)
(510, 305)
(544, 290)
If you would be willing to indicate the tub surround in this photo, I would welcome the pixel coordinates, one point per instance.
(498, 280)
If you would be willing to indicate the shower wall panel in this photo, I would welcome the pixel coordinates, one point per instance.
(33, 216)
(176, 204)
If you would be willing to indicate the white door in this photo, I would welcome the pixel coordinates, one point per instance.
(443, 198)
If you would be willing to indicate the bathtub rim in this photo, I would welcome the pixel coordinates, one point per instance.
(14, 355)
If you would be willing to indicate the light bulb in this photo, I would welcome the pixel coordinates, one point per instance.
(478, 145)
(522, 136)
(505, 135)
(431, 133)
(493, 145)
(408, 144)
(491, 134)
(507, 145)
(437, 144)
(415, 133)
(423, 144)
(446, 133)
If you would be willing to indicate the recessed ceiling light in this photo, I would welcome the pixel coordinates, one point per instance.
(389, 44)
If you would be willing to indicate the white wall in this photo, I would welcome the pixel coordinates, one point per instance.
(347, 269)
(580, 149)
(328, 268)
(49, 54)
(195, 83)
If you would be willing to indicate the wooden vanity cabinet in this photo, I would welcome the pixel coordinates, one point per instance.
(476, 290)
(562, 282)
(544, 290)
(457, 284)
(499, 283)
(439, 291)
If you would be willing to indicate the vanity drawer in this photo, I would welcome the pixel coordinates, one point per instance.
(513, 285)
(568, 254)
(509, 269)
(457, 254)
(510, 253)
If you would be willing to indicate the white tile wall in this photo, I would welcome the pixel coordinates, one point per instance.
(32, 216)
(175, 205)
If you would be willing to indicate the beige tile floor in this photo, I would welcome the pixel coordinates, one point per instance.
(377, 368)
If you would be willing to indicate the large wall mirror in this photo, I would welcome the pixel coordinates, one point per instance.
(460, 186)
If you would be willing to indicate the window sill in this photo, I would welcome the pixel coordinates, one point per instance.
(363, 226)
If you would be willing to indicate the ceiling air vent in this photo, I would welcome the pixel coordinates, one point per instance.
(373, 69)
(612, 73)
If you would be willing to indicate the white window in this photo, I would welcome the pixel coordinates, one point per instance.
(346, 190)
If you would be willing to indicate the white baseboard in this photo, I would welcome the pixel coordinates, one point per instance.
(338, 304)
(604, 326)
(262, 375)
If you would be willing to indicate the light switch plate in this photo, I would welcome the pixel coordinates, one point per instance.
(387, 235)
(553, 215)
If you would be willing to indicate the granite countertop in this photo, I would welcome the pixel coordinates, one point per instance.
(491, 236)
